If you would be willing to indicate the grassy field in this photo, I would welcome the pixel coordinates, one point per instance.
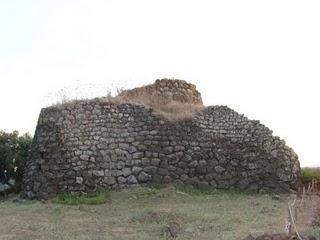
(141, 213)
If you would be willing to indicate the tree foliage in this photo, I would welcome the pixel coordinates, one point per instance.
(14, 151)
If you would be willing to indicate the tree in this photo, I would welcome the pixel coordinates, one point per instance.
(14, 151)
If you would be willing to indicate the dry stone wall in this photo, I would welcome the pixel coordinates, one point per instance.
(91, 145)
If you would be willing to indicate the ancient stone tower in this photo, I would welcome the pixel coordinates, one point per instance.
(103, 143)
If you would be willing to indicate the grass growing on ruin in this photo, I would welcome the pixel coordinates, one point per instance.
(83, 198)
(142, 213)
(308, 174)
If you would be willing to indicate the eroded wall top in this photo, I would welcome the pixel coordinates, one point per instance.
(165, 90)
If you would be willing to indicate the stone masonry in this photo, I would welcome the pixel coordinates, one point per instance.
(90, 145)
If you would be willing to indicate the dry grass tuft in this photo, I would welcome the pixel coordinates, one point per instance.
(167, 108)
(173, 107)
(174, 111)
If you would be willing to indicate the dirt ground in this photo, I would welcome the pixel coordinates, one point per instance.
(144, 213)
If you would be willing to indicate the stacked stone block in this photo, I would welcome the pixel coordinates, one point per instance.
(91, 145)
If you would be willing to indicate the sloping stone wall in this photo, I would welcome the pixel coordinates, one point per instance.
(92, 145)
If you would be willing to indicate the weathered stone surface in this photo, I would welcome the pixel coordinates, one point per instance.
(121, 179)
(136, 170)
(219, 169)
(155, 161)
(95, 144)
(111, 181)
(79, 180)
(132, 180)
(98, 173)
(138, 155)
(126, 172)
(144, 177)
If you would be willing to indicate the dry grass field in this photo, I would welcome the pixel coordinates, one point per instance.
(143, 213)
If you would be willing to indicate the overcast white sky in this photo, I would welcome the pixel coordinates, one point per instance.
(261, 58)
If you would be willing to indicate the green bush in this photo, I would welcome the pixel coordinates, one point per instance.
(14, 151)
(310, 173)
(83, 198)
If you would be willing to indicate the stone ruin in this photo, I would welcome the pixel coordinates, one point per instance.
(91, 145)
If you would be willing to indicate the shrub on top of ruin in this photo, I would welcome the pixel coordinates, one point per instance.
(163, 106)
